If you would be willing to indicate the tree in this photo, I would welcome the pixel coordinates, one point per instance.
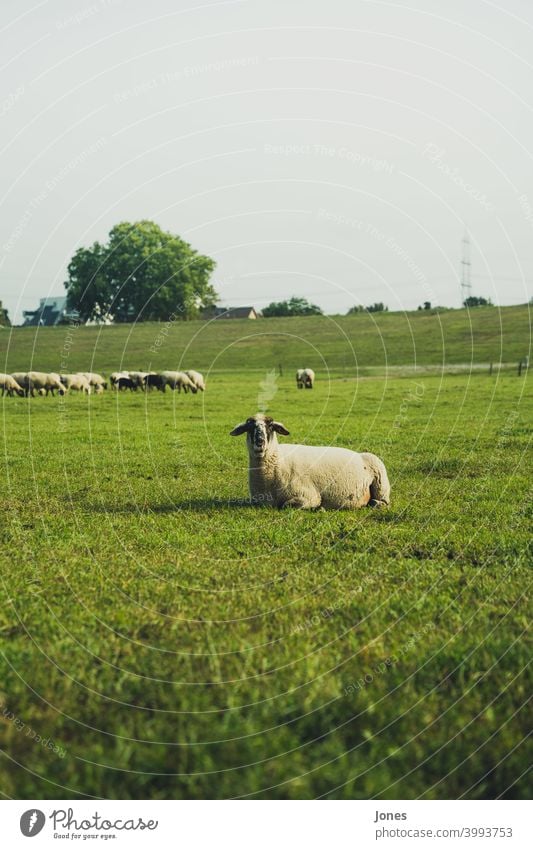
(142, 273)
(294, 306)
(4, 317)
(378, 307)
(473, 301)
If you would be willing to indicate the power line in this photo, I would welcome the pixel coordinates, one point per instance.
(466, 284)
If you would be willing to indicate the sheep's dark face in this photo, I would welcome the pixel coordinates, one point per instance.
(260, 432)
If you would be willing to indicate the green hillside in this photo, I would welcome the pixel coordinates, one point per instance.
(344, 343)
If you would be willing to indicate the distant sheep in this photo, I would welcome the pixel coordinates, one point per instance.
(308, 378)
(309, 477)
(157, 380)
(139, 378)
(126, 383)
(95, 380)
(305, 378)
(76, 383)
(22, 379)
(115, 376)
(9, 386)
(40, 382)
(178, 380)
(197, 379)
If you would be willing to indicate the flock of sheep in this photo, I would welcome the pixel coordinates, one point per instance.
(301, 476)
(42, 383)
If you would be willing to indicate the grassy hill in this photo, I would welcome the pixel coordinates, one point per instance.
(345, 343)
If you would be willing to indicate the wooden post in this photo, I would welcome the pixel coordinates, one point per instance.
(490, 369)
(280, 367)
(519, 368)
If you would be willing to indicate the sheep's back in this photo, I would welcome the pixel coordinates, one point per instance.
(339, 474)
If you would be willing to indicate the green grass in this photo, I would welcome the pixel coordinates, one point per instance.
(177, 643)
(352, 344)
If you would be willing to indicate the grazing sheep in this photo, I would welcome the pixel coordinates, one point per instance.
(126, 383)
(308, 378)
(76, 383)
(22, 379)
(197, 379)
(178, 380)
(300, 378)
(9, 386)
(139, 378)
(309, 477)
(40, 382)
(153, 379)
(96, 381)
(52, 384)
(116, 375)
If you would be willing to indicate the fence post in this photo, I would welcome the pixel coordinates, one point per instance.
(490, 369)
(280, 367)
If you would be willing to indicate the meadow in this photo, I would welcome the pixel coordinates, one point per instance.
(161, 638)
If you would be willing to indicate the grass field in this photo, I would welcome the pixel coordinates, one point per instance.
(359, 344)
(161, 638)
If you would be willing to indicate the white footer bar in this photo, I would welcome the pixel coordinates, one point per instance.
(266, 824)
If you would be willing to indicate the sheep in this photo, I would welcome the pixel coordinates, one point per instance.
(153, 379)
(139, 378)
(39, 381)
(126, 383)
(9, 385)
(309, 477)
(197, 379)
(114, 377)
(51, 384)
(76, 383)
(300, 378)
(21, 378)
(95, 380)
(308, 378)
(178, 380)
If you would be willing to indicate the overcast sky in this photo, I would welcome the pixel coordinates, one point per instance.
(333, 150)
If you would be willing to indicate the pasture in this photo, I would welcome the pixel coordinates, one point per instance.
(171, 641)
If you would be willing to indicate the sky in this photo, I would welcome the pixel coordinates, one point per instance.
(331, 150)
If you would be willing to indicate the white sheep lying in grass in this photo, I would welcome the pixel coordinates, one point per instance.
(306, 476)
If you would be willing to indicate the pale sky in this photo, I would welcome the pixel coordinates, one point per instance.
(333, 150)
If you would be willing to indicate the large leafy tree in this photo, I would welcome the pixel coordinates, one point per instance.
(142, 273)
(294, 306)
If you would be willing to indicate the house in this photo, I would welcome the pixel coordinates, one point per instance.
(231, 312)
(51, 311)
(4, 318)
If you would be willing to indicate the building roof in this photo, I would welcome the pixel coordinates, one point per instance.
(233, 312)
(49, 312)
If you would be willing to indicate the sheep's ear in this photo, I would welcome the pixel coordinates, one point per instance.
(241, 428)
(280, 428)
